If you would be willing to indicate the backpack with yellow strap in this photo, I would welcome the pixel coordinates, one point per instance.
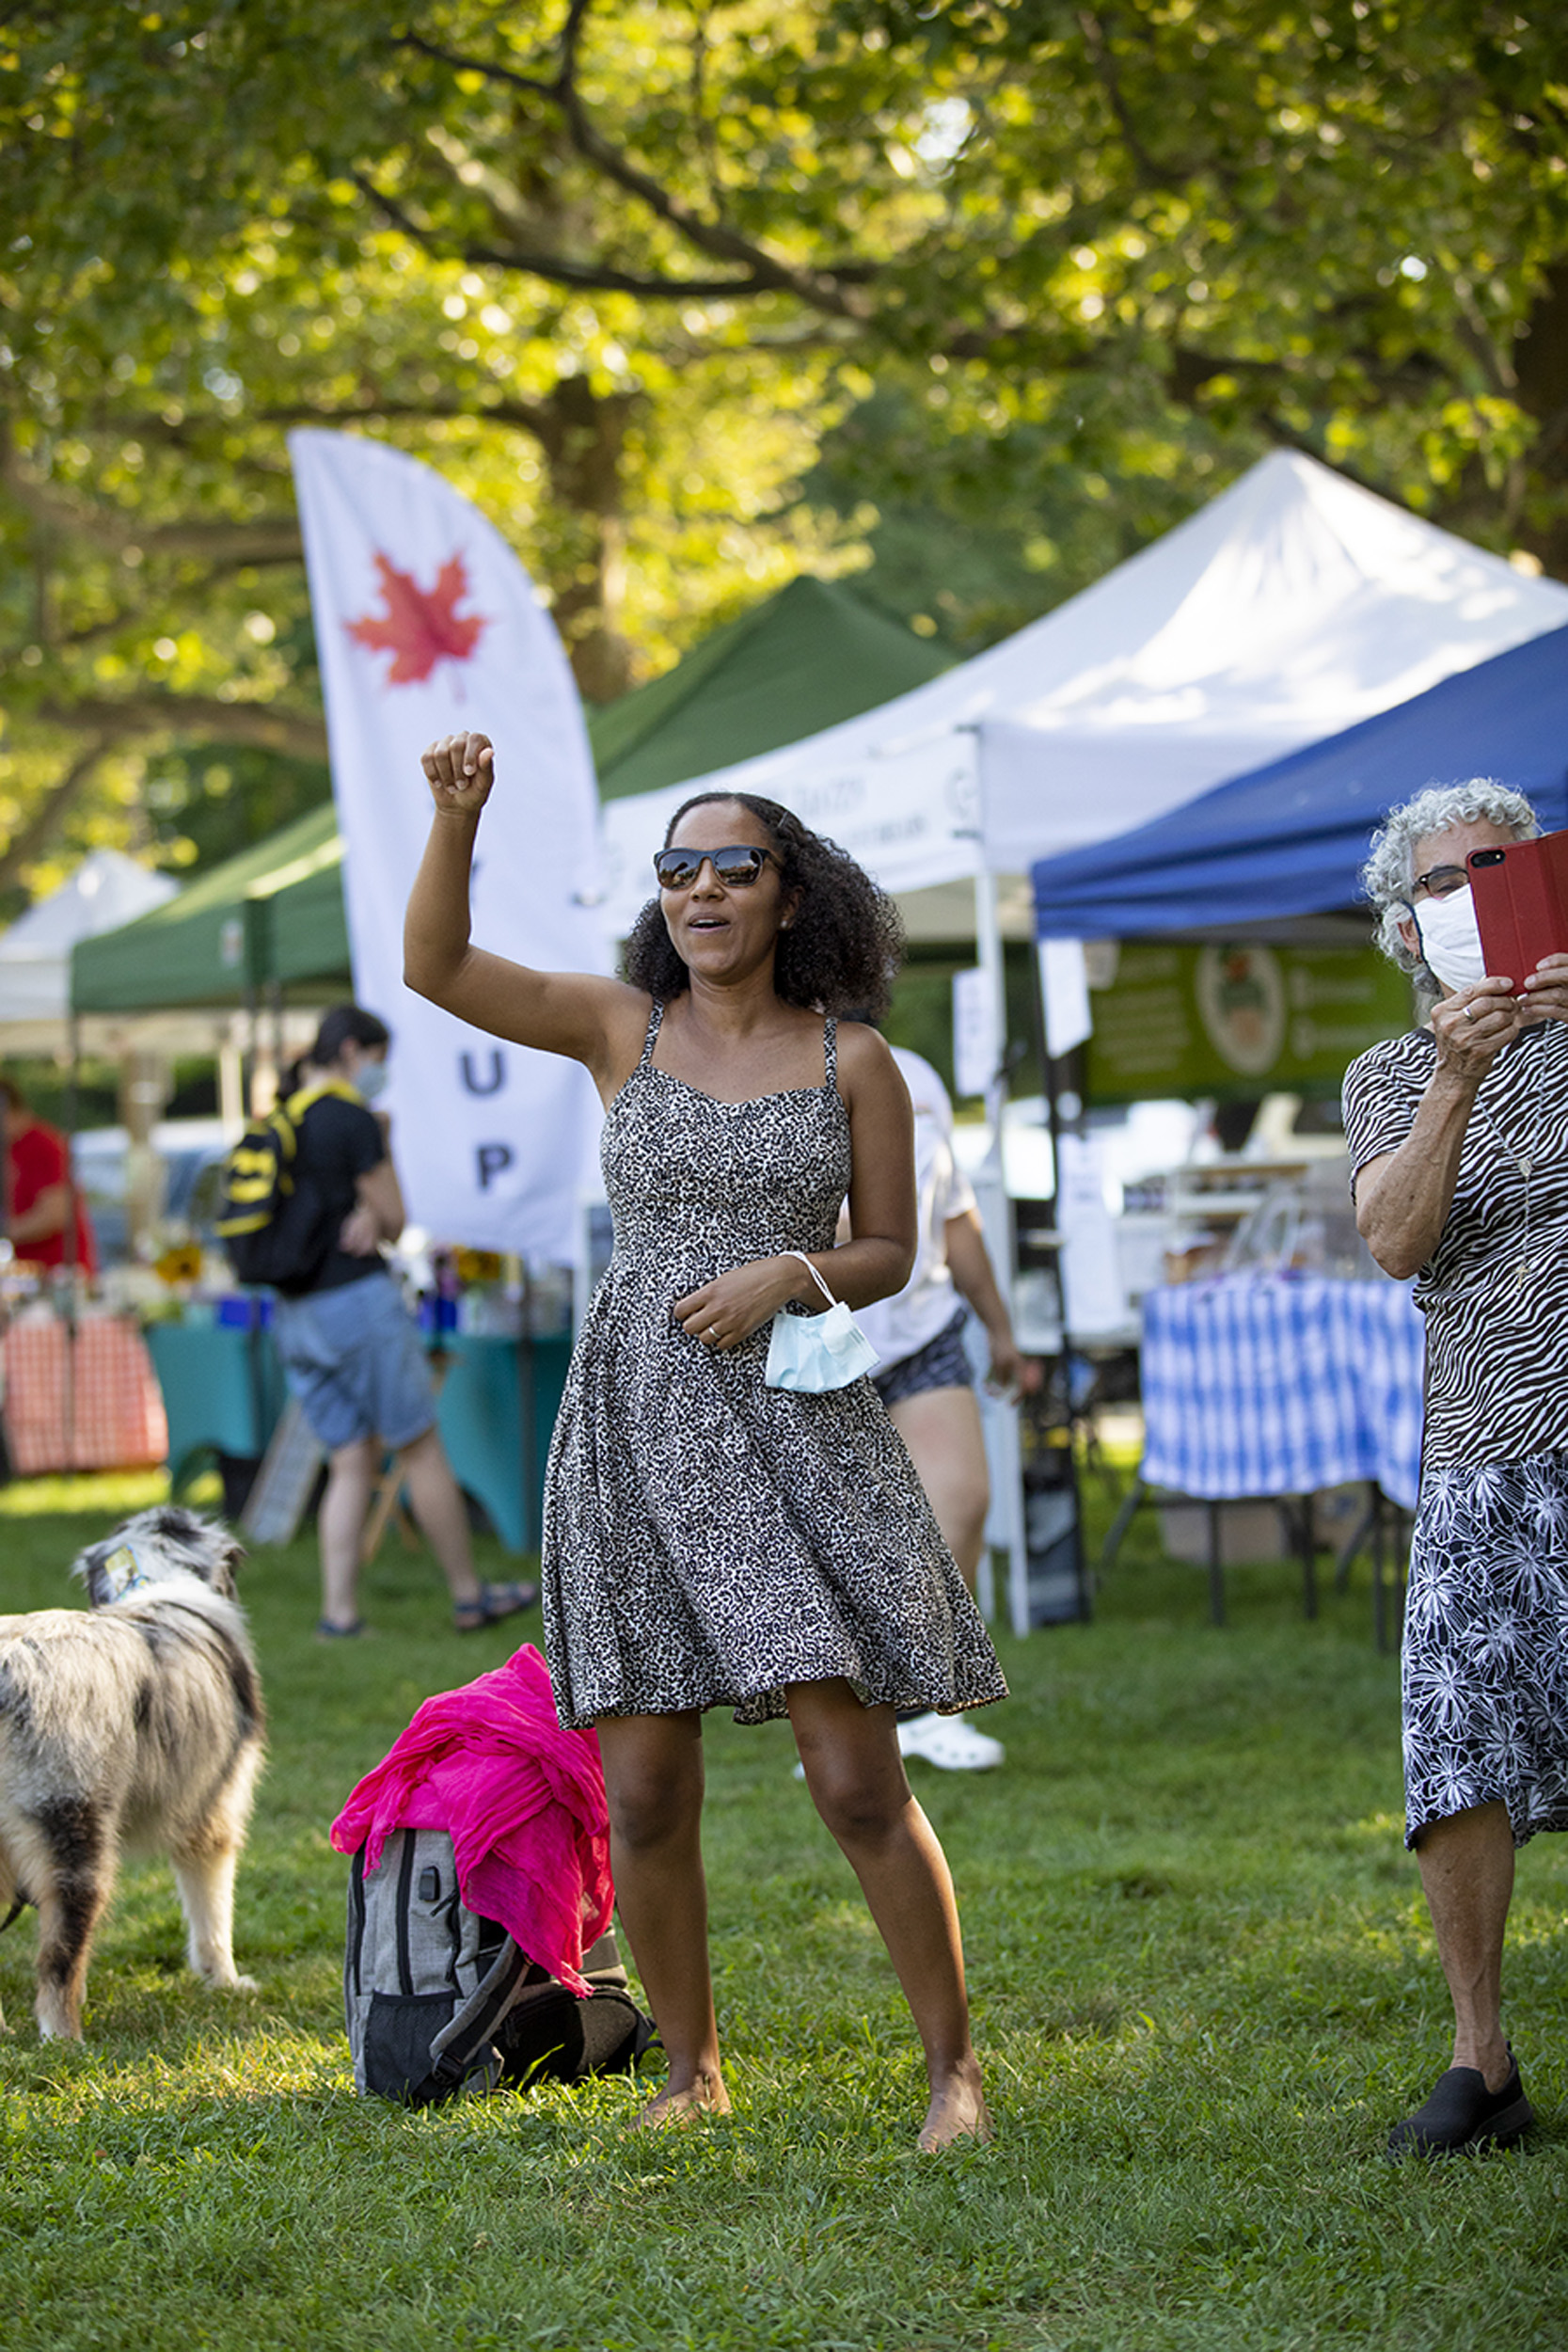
(272, 1219)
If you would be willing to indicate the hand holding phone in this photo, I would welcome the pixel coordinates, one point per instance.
(1544, 996)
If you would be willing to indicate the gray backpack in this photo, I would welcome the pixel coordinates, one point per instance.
(441, 2002)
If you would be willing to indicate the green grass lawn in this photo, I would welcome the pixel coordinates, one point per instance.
(1203, 1983)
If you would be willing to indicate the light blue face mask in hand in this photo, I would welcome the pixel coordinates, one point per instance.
(811, 1352)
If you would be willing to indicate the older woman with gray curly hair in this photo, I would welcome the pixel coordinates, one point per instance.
(1458, 1137)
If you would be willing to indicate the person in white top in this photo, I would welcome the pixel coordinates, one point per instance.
(924, 1378)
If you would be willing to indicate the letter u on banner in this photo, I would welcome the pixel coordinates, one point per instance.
(493, 1082)
(427, 624)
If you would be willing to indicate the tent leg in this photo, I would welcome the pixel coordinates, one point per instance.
(251, 1054)
(230, 1083)
(279, 1047)
(1305, 1534)
(528, 1406)
(992, 1191)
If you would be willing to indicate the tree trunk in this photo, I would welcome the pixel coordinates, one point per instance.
(583, 437)
(1540, 361)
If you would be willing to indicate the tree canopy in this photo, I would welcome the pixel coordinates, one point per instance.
(689, 296)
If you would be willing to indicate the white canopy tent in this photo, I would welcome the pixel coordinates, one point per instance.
(106, 890)
(1291, 607)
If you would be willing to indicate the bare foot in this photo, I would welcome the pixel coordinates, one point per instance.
(958, 2110)
(705, 2096)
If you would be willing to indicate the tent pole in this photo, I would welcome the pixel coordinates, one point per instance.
(988, 955)
(996, 1219)
(252, 1048)
(528, 1407)
(73, 1211)
(279, 1051)
(73, 1112)
(231, 1081)
(1051, 1067)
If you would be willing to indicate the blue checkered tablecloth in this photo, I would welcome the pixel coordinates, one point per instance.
(1281, 1384)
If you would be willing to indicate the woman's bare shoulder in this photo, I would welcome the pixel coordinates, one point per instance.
(865, 1057)
(622, 1007)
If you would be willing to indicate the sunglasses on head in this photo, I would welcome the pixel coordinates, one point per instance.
(738, 867)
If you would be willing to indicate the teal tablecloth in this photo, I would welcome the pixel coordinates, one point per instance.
(223, 1389)
(498, 1453)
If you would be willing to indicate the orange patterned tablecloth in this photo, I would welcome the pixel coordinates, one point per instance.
(88, 1404)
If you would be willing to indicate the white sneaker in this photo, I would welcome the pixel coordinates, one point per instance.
(950, 1743)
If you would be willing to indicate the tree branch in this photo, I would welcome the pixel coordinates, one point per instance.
(1098, 47)
(582, 277)
(148, 426)
(272, 541)
(34, 836)
(768, 272)
(302, 733)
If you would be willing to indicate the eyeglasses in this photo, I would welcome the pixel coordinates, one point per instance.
(738, 867)
(1441, 881)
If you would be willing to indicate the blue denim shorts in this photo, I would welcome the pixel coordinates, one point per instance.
(941, 1363)
(356, 1362)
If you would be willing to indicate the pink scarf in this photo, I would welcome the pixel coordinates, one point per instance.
(522, 1801)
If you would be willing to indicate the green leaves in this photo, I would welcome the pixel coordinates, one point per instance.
(624, 271)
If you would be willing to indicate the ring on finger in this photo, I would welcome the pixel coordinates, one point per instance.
(1469, 1012)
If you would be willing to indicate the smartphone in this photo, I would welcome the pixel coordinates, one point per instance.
(1520, 901)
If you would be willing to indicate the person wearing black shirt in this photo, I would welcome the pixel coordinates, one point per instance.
(351, 1352)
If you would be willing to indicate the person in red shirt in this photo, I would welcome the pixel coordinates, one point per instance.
(40, 1198)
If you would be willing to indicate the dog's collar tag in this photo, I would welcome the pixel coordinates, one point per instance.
(123, 1572)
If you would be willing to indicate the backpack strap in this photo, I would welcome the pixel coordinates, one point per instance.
(297, 1104)
(474, 2024)
(354, 1957)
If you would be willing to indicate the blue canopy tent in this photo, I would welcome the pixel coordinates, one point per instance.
(1289, 839)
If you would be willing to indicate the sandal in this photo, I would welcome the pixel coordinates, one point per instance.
(495, 1601)
(327, 1631)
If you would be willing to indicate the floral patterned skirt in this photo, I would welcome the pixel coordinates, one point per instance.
(1485, 1666)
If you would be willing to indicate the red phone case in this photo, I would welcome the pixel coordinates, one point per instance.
(1521, 899)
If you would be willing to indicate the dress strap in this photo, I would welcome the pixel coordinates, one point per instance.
(830, 1054)
(656, 1021)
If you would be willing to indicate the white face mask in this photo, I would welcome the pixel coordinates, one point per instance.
(1451, 942)
(370, 1080)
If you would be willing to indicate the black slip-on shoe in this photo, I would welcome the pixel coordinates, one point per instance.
(1462, 2113)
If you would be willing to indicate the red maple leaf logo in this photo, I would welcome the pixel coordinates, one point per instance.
(420, 627)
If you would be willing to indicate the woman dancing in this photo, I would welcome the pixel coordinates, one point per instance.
(710, 1540)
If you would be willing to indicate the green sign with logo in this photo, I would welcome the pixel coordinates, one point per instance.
(1238, 1019)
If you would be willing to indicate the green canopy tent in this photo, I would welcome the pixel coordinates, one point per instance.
(268, 925)
(269, 920)
(803, 660)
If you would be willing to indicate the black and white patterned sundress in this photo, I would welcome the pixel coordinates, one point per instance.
(708, 1539)
(1486, 1655)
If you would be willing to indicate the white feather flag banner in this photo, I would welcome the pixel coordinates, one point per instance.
(427, 623)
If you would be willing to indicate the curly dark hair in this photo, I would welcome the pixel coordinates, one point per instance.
(841, 953)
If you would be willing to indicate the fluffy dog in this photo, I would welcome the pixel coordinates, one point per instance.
(135, 1724)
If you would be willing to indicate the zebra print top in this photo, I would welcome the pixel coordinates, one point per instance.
(1495, 1298)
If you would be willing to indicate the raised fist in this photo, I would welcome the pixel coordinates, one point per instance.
(460, 770)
